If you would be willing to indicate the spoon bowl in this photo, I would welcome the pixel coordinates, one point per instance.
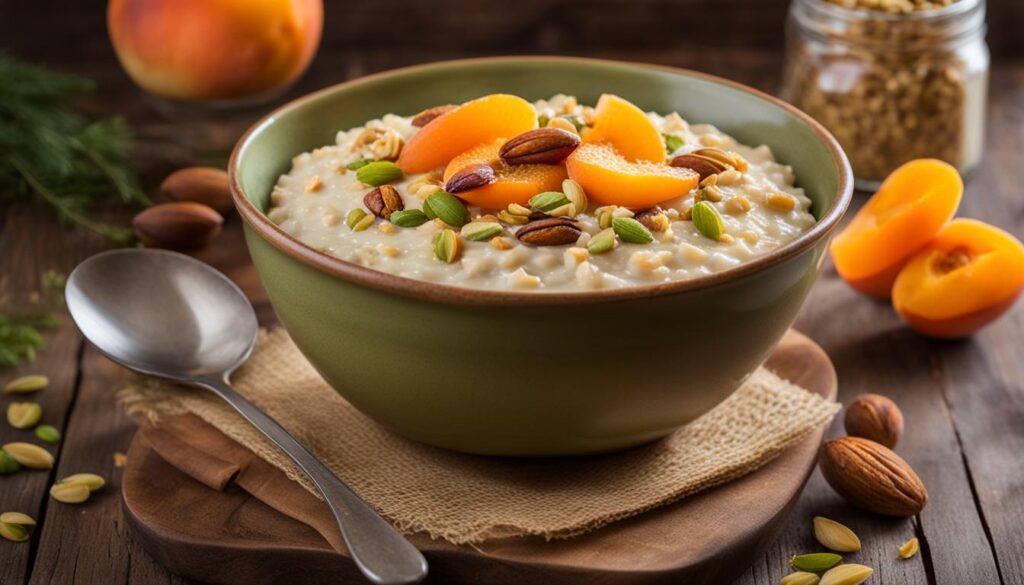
(162, 313)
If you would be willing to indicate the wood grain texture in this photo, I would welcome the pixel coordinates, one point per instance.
(964, 401)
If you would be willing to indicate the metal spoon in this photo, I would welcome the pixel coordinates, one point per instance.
(167, 315)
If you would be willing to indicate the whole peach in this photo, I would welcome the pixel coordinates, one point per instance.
(215, 49)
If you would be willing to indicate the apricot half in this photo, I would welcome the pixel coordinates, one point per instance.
(609, 179)
(473, 123)
(963, 279)
(513, 184)
(627, 128)
(912, 205)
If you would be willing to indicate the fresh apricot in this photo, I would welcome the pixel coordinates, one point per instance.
(627, 128)
(203, 50)
(473, 123)
(912, 205)
(967, 276)
(609, 179)
(513, 183)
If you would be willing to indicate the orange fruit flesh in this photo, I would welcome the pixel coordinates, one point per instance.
(627, 128)
(911, 206)
(609, 179)
(514, 184)
(968, 275)
(473, 123)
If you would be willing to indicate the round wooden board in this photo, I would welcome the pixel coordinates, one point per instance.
(233, 538)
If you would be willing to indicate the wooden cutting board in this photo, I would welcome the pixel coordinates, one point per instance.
(232, 538)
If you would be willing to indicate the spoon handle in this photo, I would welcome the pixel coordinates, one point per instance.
(382, 554)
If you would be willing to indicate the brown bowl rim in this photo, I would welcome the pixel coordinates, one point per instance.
(452, 294)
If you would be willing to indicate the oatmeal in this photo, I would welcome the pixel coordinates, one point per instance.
(552, 196)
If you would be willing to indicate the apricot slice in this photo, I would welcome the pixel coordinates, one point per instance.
(513, 183)
(963, 279)
(627, 128)
(471, 124)
(911, 206)
(609, 179)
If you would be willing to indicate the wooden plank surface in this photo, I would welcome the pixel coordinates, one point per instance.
(963, 401)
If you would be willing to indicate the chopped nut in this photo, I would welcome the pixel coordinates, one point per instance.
(500, 243)
(781, 201)
(314, 184)
(737, 205)
(909, 548)
(562, 124)
(386, 228)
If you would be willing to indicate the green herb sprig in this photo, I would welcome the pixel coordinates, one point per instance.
(21, 334)
(50, 152)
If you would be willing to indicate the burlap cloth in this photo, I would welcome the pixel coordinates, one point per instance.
(468, 499)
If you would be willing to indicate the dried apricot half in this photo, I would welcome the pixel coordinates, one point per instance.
(967, 276)
(473, 123)
(627, 128)
(609, 178)
(512, 183)
(912, 205)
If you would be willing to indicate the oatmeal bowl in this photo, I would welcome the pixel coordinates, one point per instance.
(537, 256)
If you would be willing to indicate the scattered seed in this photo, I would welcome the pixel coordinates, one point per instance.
(48, 434)
(24, 415)
(849, 574)
(26, 384)
(909, 548)
(815, 562)
(800, 578)
(29, 455)
(90, 480)
(70, 493)
(8, 464)
(835, 536)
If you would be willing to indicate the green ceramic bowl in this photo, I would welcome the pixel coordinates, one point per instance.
(516, 373)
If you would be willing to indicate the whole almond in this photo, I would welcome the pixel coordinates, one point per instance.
(874, 417)
(383, 201)
(470, 177)
(206, 185)
(427, 116)
(872, 477)
(178, 226)
(543, 146)
(705, 167)
(555, 231)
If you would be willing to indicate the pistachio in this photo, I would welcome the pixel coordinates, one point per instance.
(90, 480)
(408, 218)
(673, 142)
(24, 415)
(605, 215)
(835, 536)
(430, 114)
(358, 220)
(707, 221)
(478, 231)
(562, 123)
(512, 219)
(358, 164)
(206, 185)
(26, 384)
(631, 230)
(874, 417)
(379, 173)
(470, 177)
(849, 574)
(603, 242)
(574, 193)
(815, 562)
(180, 225)
(47, 434)
(8, 464)
(516, 209)
(447, 246)
(555, 231)
(29, 455)
(800, 578)
(383, 201)
(16, 526)
(447, 208)
(539, 146)
(909, 548)
(70, 493)
(548, 201)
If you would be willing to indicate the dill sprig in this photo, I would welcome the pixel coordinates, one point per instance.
(21, 335)
(50, 152)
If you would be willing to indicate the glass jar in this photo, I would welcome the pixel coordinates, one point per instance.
(891, 87)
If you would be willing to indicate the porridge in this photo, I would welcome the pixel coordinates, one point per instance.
(499, 193)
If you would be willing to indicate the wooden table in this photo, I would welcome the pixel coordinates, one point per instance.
(963, 401)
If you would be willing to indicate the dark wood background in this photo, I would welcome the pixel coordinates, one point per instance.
(964, 401)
